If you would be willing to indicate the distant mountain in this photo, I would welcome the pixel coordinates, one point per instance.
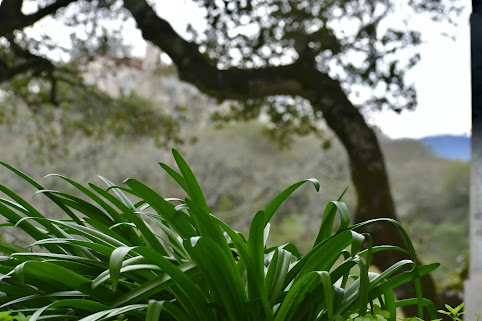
(449, 146)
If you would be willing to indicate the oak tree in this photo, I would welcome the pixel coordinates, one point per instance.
(295, 61)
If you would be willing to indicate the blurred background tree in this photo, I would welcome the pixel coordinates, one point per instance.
(298, 64)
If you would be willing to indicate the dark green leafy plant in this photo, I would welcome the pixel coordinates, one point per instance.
(155, 260)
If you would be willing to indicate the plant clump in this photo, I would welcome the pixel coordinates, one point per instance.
(159, 258)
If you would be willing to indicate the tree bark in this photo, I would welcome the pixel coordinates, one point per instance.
(301, 78)
(13, 19)
(369, 176)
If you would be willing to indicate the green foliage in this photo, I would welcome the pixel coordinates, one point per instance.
(454, 313)
(378, 314)
(8, 316)
(456, 184)
(81, 110)
(147, 258)
(444, 241)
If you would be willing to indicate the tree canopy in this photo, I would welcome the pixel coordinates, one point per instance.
(365, 46)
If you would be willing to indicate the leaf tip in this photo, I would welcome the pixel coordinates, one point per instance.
(175, 152)
(316, 183)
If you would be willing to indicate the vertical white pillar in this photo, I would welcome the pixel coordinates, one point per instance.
(473, 286)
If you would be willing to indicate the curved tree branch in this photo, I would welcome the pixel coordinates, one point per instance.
(194, 67)
(233, 83)
(24, 62)
(35, 64)
(13, 19)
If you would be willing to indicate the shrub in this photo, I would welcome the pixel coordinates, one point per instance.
(153, 259)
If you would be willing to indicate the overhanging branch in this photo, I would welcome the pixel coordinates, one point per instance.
(25, 62)
(35, 64)
(12, 18)
(232, 83)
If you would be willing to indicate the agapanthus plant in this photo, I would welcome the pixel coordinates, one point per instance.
(172, 259)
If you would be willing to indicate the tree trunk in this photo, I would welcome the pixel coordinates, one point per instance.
(370, 179)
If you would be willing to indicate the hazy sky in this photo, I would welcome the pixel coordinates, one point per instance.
(442, 77)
